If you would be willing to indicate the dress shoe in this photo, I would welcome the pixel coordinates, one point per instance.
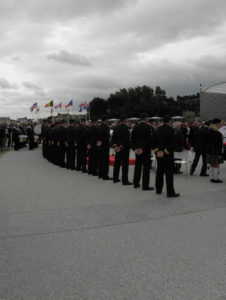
(173, 196)
(107, 178)
(158, 193)
(136, 186)
(127, 183)
(148, 188)
(204, 175)
(116, 180)
(191, 172)
(84, 171)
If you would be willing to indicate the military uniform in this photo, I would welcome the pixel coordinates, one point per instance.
(121, 140)
(103, 150)
(91, 136)
(81, 148)
(70, 147)
(164, 141)
(142, 137)
(61, 138)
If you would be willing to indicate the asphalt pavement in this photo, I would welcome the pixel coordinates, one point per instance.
(67, 235)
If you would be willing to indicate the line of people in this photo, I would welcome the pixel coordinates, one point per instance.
(69, 146)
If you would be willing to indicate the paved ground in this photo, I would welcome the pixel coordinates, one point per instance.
(66, 235)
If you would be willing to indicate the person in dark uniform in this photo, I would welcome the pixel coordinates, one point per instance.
(70, 145)
(61, 138)
(200, 149)
(91, 136)
(47, 140)
(121, 145)
(15, 137)
(164, 141)
(44, 145)
(215, 150)
(142, 139)
(30, 134)
(103, 148)
(81, 146)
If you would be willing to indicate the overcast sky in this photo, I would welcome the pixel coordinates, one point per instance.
(77, 49)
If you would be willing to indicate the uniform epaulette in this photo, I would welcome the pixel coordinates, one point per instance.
(166, 151)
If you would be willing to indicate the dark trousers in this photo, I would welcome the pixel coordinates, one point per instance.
(31, 142)
(92, 164)
(121, 157)
(81, 157)
(165, 166)
(142, 161)
(196, 161)
(16, 144)
(103, 161)
(61, 155)
(70, 157)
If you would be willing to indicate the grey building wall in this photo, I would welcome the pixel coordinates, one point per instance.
(212, 106)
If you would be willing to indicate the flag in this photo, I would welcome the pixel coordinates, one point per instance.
(37, 110)
(50, 104)
(83, 106)
(58, 106)
(35, 105)
(69, 104)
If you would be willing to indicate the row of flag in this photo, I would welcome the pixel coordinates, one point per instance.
(82, 106)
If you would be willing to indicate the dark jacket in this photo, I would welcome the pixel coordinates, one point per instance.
(121, 137)
(215, 143)
(92, 135)
(202, 140)
(81, 135)
(179, 140)
(164, 140)
(104, 134)
(142, 136)
(70, 135)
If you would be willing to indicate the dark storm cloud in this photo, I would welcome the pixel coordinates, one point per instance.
(69, 58)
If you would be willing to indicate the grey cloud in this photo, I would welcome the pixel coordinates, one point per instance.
(5, 84)
(212, 62)
(59, 9)
(34, 88)
(69, 58)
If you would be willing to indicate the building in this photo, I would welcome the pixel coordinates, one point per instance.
(213, 102)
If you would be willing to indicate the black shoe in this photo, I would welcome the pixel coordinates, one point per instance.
(148, 188)
(137, 186)
(158, 193)
(179, 172)
(84, 171)
(191, 172)
(95, 174)
(173, 196)
(116, 180)
(216, 181)
(107, 178)
(127, 183)
(204, 175)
